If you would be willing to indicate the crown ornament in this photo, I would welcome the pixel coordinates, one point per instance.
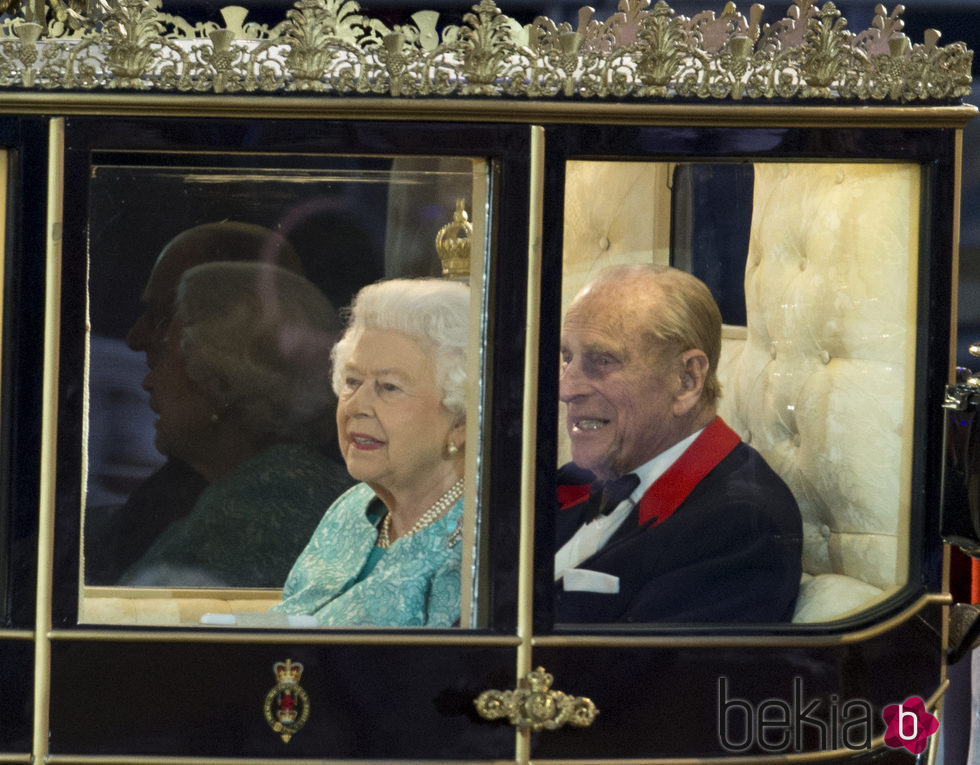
(287, 705)
(644, 50)
(288, 671)
(453, 244)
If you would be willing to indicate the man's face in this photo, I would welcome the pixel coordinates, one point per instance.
(150, 329)
(183, 426)
(620, 404)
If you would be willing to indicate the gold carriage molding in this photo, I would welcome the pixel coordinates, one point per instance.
(331, 47)
(535, 706)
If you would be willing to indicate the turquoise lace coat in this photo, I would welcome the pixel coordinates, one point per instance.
(415, 583)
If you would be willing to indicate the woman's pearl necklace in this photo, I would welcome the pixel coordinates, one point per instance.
(444, 502)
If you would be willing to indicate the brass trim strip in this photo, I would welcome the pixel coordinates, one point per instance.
(49, 436)
(483, 110)
(101, 759)
(169, 635)
(954, 276)
(15, 758)
(529, 431)
(21, 635)
(744, 641)
(830, 755)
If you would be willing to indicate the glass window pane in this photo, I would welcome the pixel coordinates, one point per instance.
(202, 487)
(814, 268)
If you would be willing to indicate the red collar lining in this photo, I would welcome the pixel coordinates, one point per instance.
(670, 490)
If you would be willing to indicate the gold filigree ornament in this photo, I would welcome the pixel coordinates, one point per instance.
(331, 47)
(535, 706)
(287, 707)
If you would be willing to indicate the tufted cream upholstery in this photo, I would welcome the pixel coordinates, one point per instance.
(821, 385)
(820, 379)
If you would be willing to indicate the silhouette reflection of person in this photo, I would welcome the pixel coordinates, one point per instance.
(241, 388)
(118, 536)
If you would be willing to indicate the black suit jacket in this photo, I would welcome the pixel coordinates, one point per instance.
(731, 552)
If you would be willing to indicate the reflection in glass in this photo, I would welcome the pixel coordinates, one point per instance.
(237, 381)
(341, 222)
(818, 376)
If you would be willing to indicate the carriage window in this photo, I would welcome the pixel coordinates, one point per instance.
(217, 433)
(813, 268)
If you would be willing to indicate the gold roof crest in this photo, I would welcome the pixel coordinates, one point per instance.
(642, 51)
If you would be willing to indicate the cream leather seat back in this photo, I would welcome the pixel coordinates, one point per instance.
(820, 380)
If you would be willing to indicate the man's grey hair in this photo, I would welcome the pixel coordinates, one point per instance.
(257, 337)
(680, 315)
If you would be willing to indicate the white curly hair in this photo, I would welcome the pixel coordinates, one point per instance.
(433, 311)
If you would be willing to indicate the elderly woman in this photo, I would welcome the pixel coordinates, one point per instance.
(388, 552)
(238, 391)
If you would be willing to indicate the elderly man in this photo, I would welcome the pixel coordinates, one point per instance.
(665, 514)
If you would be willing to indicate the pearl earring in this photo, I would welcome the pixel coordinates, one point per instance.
(452, 449)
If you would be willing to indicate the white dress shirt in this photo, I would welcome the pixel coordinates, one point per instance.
(591, 536)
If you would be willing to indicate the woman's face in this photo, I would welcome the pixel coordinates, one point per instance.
(392, 426)
(183, 426)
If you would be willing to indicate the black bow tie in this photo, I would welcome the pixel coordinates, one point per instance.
(605, 496)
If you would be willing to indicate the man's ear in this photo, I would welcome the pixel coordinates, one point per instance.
(693, 373)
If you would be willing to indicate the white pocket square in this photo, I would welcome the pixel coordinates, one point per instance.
(583, 580)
